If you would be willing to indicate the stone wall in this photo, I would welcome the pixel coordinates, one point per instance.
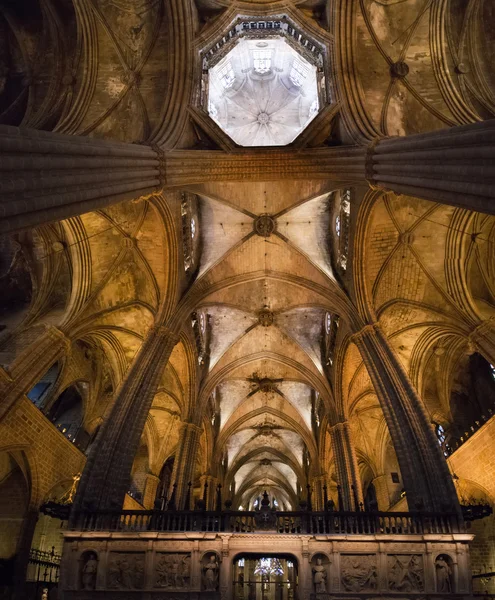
(173, 566)
(52, 459)
(474, 464)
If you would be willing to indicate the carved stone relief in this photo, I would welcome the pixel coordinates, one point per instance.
(405, 572)
(125, 571)
(173, 571)
(358, 572)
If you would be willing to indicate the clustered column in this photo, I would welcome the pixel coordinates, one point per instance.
(346, 464)
(426, 477)
(211, 486)
(106, 477)
(47, 177)
(185, 461)
(454, 166)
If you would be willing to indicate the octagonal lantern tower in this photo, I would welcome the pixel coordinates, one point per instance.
(264, 84)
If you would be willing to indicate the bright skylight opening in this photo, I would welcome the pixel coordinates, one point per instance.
(248, 92)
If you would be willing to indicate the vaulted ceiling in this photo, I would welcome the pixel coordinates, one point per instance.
(265, 270)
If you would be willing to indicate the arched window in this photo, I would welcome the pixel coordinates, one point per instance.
(328, 322)
(38, 393)
(440, 431)
(262, 60)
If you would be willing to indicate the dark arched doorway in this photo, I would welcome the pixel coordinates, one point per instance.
(265, 577)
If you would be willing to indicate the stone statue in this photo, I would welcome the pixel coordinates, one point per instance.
(90, 567)
(444, 572)
(44, 595)
(211, 574)
(319, 577)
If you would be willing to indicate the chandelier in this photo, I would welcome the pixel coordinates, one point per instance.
(268, 566)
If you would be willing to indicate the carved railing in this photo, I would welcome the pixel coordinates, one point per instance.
(330, 522)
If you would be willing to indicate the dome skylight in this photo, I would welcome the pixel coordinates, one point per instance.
(263, 92)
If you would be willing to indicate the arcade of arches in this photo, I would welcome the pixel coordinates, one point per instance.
(247, 321)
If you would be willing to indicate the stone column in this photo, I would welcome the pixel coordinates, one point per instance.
(211, 490)
(30, 366)
(22, 553)
(185, 460)
(346, 465)
(150, 489)
(105, 479)
(318, 494)
(47, 177)
(425, 474)
(382, 495)
(454, 166)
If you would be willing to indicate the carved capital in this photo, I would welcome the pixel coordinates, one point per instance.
(59, 336)
(482, 330)
(189, 429)
(369, 329)
(164, 332)
(369, 161)
(162, 164)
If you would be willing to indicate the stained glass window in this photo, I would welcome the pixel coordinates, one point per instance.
(440, 431)
(268, 566)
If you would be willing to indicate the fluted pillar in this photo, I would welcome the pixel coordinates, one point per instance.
(185, 460)
(425, 474)
(47, 177)
(30, 366)
(346, 465)
(105, 479)
(454, 166)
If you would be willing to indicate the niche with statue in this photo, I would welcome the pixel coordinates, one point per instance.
(210, 572)
(320, 569)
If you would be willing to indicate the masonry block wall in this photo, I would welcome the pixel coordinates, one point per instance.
(45, 459)
(474, 464)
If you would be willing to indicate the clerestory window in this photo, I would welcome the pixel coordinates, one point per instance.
(226, 75)
(262, 59)
(298, 72)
